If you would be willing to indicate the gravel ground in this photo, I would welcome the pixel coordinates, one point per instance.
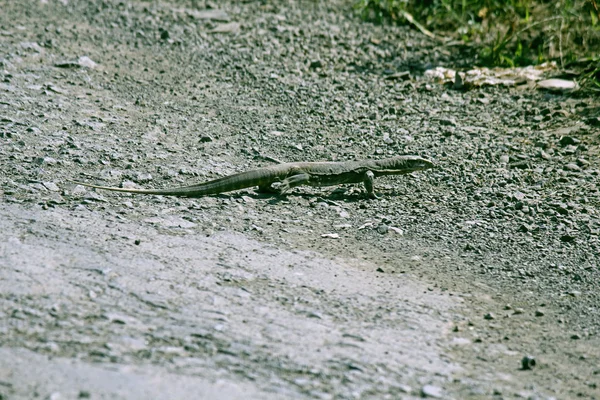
(442, 288)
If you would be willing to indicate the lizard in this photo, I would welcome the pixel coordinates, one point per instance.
(290, 175)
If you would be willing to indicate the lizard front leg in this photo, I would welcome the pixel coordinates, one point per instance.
(368, 182)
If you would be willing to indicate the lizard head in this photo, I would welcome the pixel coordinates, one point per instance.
(420, 163)
(400, 165)
(411, 163)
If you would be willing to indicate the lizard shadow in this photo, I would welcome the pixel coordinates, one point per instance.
(331, 196)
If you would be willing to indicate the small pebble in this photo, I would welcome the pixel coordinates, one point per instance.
(432, 391)
(557, 85)
(143, 177)
(567, 238)
(568, 140)
(447, 121)
(528, 362)
(397, 231)
(86, 62)
(44, 161)
(316, 64)
(524, 228)
(51, 186)
(382, 228)
(404, 388)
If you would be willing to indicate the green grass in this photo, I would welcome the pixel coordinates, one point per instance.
(506, 33)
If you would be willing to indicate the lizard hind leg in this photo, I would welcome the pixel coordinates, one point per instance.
(293, 181)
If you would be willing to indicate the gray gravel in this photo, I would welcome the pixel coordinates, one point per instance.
(438, 289)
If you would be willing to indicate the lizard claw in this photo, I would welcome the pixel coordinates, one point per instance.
(280, 188)
(283, 188)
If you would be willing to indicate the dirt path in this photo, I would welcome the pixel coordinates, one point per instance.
(439, 289)
(222, 307)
